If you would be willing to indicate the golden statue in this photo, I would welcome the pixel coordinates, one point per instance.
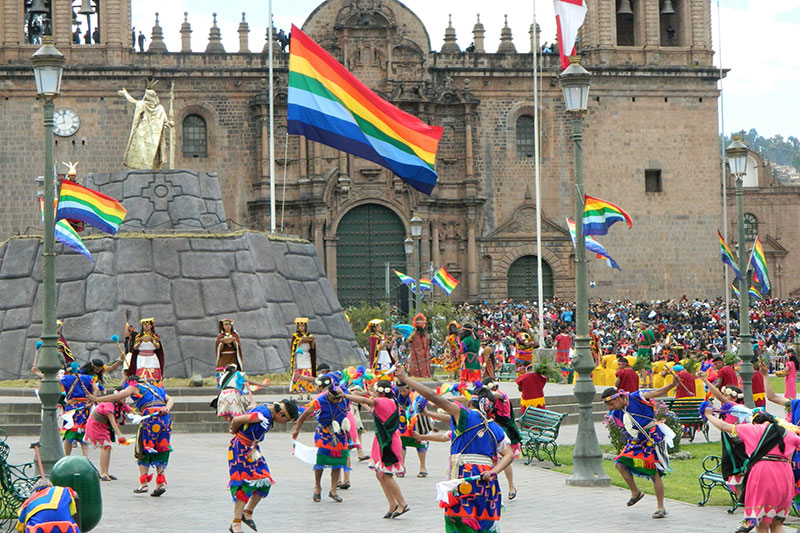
(147, 142)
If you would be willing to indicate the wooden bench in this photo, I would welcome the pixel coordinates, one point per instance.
(539, 431)
(687, 411)
(712, 477)
(16, 482)
(507, 372)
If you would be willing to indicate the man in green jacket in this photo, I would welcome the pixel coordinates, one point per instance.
(471, 371)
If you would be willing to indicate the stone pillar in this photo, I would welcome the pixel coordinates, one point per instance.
(330, 261)
(215, 39)
(478, 32)
(425, 245)
(506, 41)
(303, 158)
(263, 117)
(450, 45)
(319, 238)
(316, 150)
(244, 32)
(157, 39)
(472, 260)
(435, 245)
(468, 164)
(535, 34)
(186, 34)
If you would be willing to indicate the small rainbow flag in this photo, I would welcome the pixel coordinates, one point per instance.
(599, 215)
(753, 292)
(407, 280)
(329, 105)
(425, 285)
(593, 246)
(759, 262)
(727, 256)
(66, 235)
(444, 281)
(735, 290)
(79, 203)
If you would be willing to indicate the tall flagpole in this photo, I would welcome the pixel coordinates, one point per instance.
(540, 288)
(724, 190)
(272, 221)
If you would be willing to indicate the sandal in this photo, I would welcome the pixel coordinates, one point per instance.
(343, 486)
(634, 501)
(141, 490)
(660, 513)
(362, 459)
(391, 513)
(512, 495)
(105, 478)
(422, 474)
(317, 497)
(335, 497)
(159, 491)
(230, 527)
(249, 522)
(112, 478)
(745, 528)
(398, 513)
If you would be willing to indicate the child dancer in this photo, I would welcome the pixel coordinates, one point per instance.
(102, 429)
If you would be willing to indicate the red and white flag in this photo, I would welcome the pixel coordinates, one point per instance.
(569, 17)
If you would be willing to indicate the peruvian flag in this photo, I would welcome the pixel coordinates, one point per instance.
(569, 17)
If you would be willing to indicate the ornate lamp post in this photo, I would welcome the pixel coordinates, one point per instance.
(736, 154)
(408, 244)
(48, 64)
(416, 234)
(587, 467)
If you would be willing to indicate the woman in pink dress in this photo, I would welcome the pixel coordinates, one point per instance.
(769, 481)
(790, 371)
(102, 428)
(387, 450)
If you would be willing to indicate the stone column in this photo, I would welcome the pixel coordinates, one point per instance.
(472, 259)
(157, 39)
(478, 31)
(244, 33)
(303, 158)
(435, 245)
(506, 41)
(215, 39)
(450, 45)
(319, 238)
(468, 164)
(186, 34)
(330, 260)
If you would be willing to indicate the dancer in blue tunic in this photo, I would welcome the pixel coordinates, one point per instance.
(77, 389)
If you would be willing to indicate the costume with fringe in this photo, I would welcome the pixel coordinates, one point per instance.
(387, 450)
(309, 363)
(229, 353)
(332, 436)
(453, 353)
(474, 505)
(504, 416)
(412, 419)
(76, 407)
(147, 358)
(645, 451)
(234, 395)
(152, 440)
(248, 470)
(49, 510)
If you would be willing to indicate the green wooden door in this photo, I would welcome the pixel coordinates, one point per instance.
(522, 279)
(369, 236)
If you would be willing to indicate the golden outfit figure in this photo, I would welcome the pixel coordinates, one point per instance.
(147, 142)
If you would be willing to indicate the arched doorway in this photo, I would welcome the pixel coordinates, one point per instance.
(369, 236)
(522, 279)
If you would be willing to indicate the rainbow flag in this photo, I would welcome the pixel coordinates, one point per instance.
(444, 281)
(754, 294)
(66, 235)
(735, 290)
(593, 246)
(79, 203)
(407, 280)
(329, 105)
(727, 256)
(759, 262)
(599, 215)
(425, 285)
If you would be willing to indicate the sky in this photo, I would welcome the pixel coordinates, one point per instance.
(758, 41)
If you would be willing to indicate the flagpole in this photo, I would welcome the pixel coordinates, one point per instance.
(539, 285)
(272, 221)
(724, 187)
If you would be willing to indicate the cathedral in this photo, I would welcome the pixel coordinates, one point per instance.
(650, 141)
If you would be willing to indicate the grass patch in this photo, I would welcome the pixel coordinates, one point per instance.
(778, 384)
(680, 484)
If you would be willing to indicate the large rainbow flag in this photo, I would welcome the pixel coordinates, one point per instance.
(66, 235)
(727, 256)
(593, 246)
(94, 208)
(329, 105)
(759, 262)
(599, 215)
(444, 281)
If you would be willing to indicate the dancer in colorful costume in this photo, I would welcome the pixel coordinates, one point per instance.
(78, 388)
(471, 372)
(412, 420)
(303, 360)
(479, 450)
(332, 436)
(644, 341)
(228, 345)
(453, 350)
(49, 509)
(147, 357)
(420, 348)
(503, 414)
(102, 429)
(235, 396)
(523, 357)
(63, 346)
(379, 358)
(152, 440)
(250, 479)
(531, 385)
(387, 451)
(645, 452)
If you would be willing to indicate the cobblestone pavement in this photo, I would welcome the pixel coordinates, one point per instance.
(198, 501)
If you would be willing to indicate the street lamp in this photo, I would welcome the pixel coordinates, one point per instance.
(736, 154)
(416, 234)
(48, 64)
(408, 244)
(587, 469)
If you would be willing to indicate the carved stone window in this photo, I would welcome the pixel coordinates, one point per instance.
(750, 227)
(195, 136)
(526, 136)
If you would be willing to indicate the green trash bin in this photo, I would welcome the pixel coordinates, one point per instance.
(77, 473)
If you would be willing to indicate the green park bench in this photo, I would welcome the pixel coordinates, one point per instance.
(539, 431)
(687, 411)
(712, 477)
(16, 482)
(507, 372)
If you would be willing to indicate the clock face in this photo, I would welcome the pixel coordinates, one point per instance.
(66, 122)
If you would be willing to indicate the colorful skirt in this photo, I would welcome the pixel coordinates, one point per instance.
(524, 403)
(376, 463)
(231, 402)
(303, 387)
(248, 470)
(473, 505)
(75, 416)
(332, 450)
(53, 527)
(645, 457)
(152, 441)
(410, 442)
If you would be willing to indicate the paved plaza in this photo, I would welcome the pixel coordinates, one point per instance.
(198, 501)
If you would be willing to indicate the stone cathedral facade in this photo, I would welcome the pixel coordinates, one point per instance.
(650, 142)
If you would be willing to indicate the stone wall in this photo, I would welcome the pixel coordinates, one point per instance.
(187, 282)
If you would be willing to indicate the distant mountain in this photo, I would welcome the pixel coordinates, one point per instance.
(776, 148)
